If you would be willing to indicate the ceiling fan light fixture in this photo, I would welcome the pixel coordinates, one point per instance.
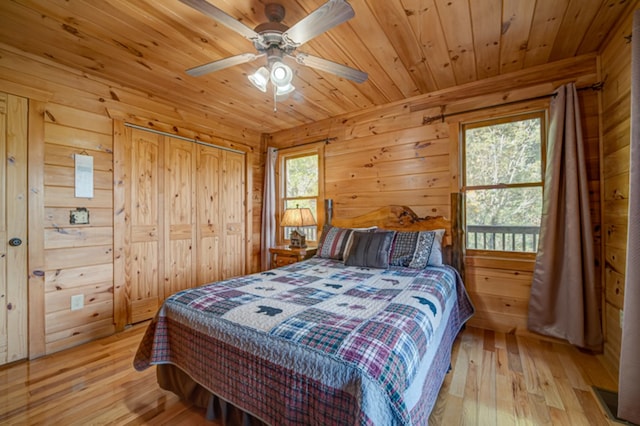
(284, 90)
(281, 74)
(260, 78)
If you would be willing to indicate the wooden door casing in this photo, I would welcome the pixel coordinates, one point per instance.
(13, 224)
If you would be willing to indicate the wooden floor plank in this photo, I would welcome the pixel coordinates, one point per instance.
(496, 379)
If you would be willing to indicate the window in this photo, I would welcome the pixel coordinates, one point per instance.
(300, 178)
(503, 178)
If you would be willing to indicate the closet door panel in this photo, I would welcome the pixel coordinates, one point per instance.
(179, 215)
(144, 268)
(233, 209)
(209, 217)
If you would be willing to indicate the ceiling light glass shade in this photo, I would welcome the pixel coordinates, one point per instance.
(260, 78)
(281, 74)
(284, 90)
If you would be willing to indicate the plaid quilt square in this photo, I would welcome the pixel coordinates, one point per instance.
(296, 279)
(351, 275)
(304, 296)
(221, 307)
(366, 292)
(242, 281)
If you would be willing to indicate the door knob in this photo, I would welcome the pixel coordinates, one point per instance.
(15, 242)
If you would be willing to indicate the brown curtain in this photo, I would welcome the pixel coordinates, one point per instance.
(629, 381)
(564, 301)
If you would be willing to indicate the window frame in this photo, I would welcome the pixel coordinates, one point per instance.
(290, 153)
(541, 114)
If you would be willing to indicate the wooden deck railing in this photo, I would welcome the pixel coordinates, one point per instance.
(504, 238)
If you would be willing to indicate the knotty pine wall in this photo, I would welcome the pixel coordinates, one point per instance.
(616, 124)
(71, 112)
(78, 259)
(402, 154)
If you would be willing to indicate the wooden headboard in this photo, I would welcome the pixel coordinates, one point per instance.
(398, 218)
(402, 218)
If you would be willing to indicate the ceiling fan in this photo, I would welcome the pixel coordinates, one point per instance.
(279, 42)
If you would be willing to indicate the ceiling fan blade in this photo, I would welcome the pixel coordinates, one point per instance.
(222, 63)
(332, 67)
(327, 16)
(222, 17)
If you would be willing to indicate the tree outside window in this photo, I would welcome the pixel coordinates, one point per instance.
(300, 186)
(503, 181)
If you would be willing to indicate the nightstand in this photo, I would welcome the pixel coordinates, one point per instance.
(283, 255)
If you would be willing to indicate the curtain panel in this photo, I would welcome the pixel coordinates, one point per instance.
(268, 233)
(629, 379)
(564, 302)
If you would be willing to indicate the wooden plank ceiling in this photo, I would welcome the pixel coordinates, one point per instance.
(408, 48)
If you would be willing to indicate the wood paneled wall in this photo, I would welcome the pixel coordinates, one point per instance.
(404, 153)
(70, 113)
(616, 122)
(78, 259)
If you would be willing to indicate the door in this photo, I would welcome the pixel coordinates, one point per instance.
(13, 228)
(186, 209)
(180, 217)
(143, 205)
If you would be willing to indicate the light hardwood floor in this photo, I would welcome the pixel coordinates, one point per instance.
(497, 379)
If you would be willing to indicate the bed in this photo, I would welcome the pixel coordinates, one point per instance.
(359, 334)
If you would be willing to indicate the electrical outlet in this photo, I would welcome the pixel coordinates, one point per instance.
(621, 316)
(77, 302)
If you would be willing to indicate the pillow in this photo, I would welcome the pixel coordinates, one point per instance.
(417, 249)
(349, 244)
(335, 241)
(370, 249)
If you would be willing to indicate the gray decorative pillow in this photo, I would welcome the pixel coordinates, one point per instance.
(370, 249)
(417, 249)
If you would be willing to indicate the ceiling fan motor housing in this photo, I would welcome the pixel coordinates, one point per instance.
(274, 12)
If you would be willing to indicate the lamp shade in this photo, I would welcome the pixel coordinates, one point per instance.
(298, 217)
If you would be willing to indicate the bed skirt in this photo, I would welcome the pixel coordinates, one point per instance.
(175, 380)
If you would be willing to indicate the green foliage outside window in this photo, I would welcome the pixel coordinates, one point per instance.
(503, 181)
(301, 185)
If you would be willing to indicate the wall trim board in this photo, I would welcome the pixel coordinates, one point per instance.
(37, 342)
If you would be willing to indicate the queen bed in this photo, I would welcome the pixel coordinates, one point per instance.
(359, 334)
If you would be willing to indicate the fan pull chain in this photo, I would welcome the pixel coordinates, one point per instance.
(275, 99)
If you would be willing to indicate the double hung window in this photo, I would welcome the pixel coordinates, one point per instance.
(503, 181)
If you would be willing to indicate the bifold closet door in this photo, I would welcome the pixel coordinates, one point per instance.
(145, 256)
(187, 217)
(220, 214)
(233, 211)
(179, 215)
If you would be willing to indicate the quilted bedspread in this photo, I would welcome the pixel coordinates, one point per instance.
(316, 341)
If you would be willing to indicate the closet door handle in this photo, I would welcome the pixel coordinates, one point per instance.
(15, 242)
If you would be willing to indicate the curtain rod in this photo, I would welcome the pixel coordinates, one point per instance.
(184, 138)
(428, 120)
(325, 140)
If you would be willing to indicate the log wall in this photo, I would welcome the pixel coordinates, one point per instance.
(616, 122)
(72, 113)
(405, 153)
